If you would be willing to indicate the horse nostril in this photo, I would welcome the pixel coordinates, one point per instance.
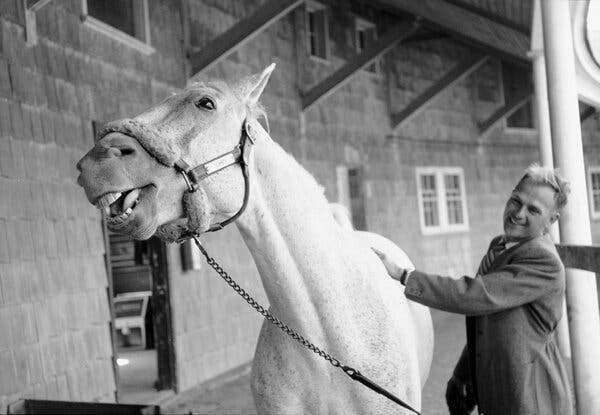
(79, 166)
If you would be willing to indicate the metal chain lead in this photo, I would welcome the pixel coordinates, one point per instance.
(351, 372)
(284, 327)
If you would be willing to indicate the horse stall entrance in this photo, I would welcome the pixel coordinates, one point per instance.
(141, 318)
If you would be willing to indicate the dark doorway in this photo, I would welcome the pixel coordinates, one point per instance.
(141, 323)
(357, 198)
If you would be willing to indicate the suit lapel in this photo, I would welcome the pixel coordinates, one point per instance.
(504, 255)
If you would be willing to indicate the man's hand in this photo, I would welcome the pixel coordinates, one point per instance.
(396, 272)
(460, 397)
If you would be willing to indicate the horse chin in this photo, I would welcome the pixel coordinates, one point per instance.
(173, 230)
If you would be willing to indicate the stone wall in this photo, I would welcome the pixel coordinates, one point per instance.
(54, 316)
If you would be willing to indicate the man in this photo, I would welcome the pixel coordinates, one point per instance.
(511, 363)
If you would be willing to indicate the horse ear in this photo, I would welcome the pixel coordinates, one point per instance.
(256, 84)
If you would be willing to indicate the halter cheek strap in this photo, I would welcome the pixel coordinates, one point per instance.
(192, 176)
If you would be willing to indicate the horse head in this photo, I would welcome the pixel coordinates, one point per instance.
(136, 171)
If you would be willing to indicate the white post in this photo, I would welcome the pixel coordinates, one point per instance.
(582, 301)
(545, 140)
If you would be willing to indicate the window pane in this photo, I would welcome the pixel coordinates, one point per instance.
(317, 33)
(428, 182)
(596, 191)
(321, 35)
(595, 181)
(430, 213)
(117, 13)
(453, 199)
(521, 118)
(430, 202)
(364, 38)
(361, 40)
(515, 80)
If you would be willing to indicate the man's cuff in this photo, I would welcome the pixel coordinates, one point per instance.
(405, 275)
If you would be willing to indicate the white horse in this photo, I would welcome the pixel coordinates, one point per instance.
(319, 279)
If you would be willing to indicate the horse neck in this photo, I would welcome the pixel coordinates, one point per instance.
(293, 237)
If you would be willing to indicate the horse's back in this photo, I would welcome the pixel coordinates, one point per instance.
(420, 314)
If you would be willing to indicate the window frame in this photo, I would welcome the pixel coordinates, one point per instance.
(361, 24)
(142, 45)
(516, 130)
(442, 208)
(594, 214)
(310, 7)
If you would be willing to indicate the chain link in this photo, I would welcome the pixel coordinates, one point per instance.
(254, 304)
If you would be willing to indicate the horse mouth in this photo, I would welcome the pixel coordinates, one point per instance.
(120, 209)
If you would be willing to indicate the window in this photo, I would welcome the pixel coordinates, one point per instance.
(515, 80)
(442, 200)
(594, 189)
(124, 20)
(317, 30)
(365, 34)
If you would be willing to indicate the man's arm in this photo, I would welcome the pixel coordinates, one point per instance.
(534, 274)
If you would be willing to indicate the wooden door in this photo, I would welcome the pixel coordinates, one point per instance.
(163, 328)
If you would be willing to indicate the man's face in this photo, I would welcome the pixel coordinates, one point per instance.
(529, 211)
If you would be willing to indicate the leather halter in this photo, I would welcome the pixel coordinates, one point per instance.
(150, 140)
(239, 154)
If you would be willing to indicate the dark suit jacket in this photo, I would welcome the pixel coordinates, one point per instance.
(512, 313)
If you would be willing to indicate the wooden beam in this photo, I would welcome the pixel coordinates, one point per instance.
(425, 36)
(28, 8)
(467, 27)
(580, 256)
(492, 16)
(240, 33)
(505, 111)
(334, 81)
(587, 113)
(459, 72)
(35, 5)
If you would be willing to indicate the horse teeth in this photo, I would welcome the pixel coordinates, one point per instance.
(106, 210)
(128, 211)
(107, 199)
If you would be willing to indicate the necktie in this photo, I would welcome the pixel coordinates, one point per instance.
(488, 259)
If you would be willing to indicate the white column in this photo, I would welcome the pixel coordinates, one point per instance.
(545, 140)
(542, 109)
(582, 301)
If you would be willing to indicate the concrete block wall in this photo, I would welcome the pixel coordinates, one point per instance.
(215, 330)
(50, 238)
(351, 128)
(54, 316)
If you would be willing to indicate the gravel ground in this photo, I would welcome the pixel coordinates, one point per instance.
(233, 397)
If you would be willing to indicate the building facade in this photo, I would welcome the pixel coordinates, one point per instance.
(435, 184)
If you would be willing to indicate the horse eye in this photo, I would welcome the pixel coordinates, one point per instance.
(206, 103)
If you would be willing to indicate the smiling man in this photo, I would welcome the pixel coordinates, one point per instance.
(511, 363)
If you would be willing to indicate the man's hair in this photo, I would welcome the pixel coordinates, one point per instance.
(539, 175)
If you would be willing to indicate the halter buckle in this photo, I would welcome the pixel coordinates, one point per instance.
(191, 186)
